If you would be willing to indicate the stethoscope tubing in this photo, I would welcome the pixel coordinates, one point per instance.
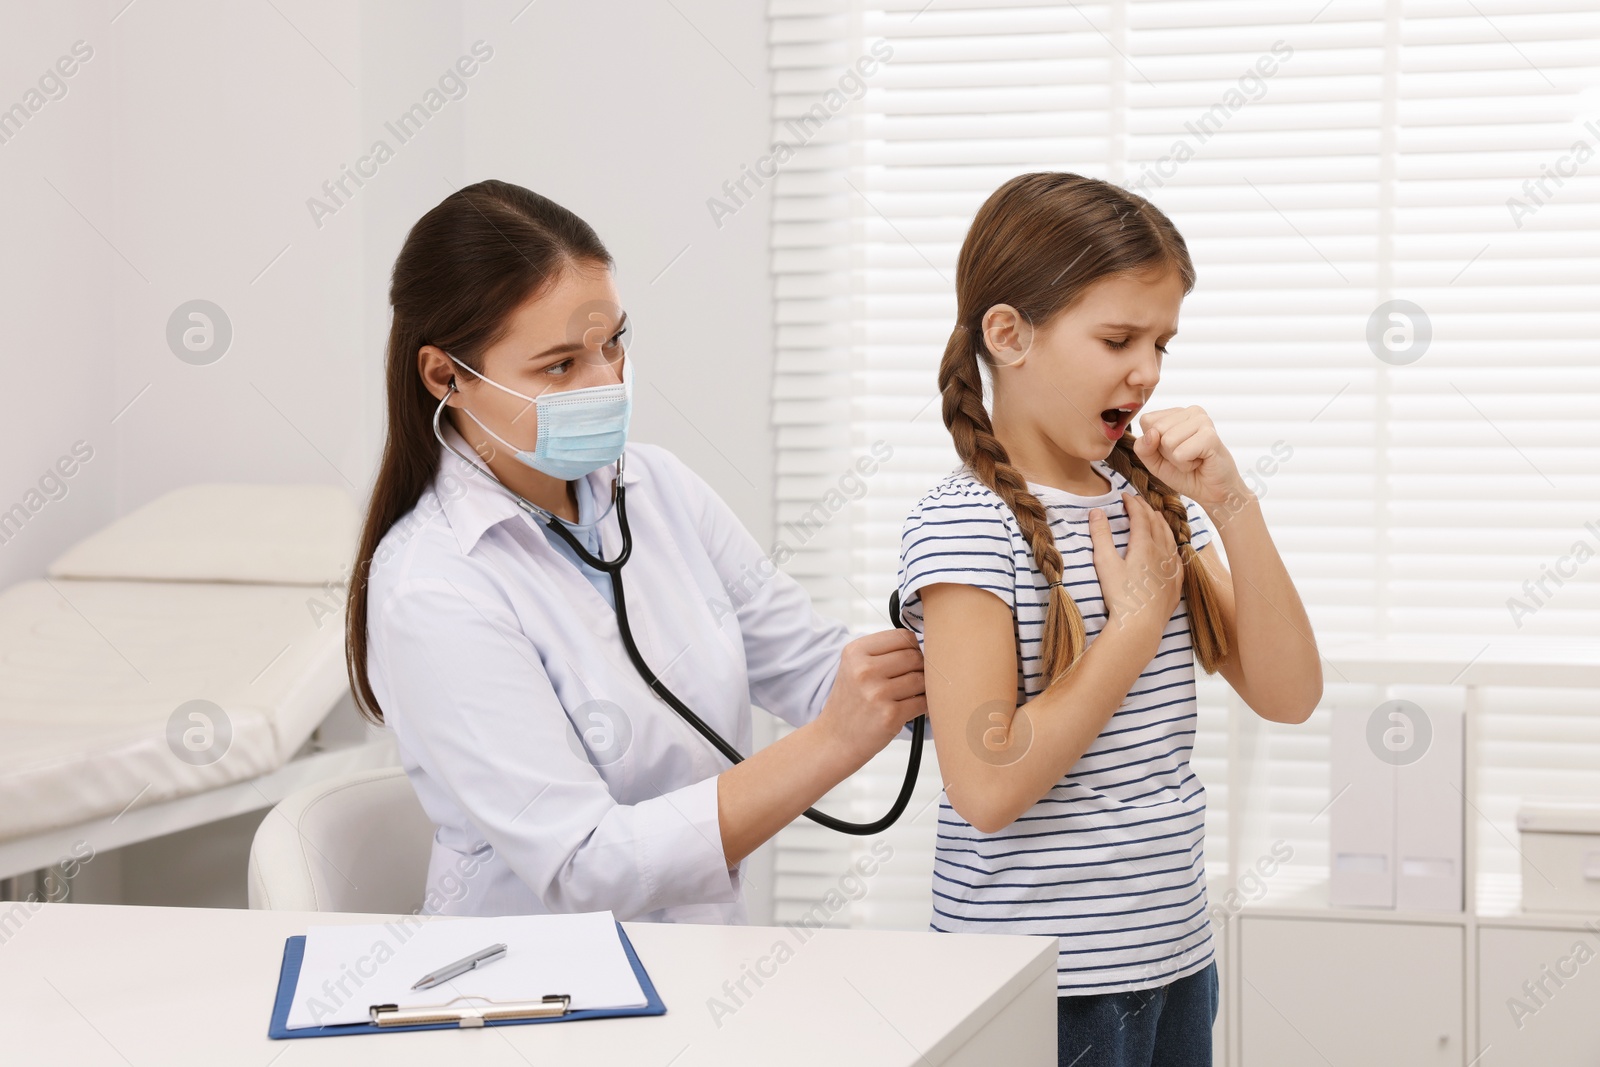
(613, 569)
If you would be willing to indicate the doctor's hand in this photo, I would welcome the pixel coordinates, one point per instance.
(877, 691)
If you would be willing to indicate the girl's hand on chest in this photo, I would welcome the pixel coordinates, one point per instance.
(1146, 581)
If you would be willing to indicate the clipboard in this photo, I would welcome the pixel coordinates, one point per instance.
(552, 1008)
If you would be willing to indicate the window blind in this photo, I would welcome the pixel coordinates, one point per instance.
(1393, 208)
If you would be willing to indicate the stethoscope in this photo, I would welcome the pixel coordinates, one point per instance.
(613, 570)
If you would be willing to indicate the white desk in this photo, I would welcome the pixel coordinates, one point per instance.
(93, 984)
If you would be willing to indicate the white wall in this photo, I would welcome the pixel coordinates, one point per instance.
(633, 114)
(56, 288)
(185, 152)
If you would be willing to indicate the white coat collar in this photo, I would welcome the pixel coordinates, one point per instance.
(472, 504)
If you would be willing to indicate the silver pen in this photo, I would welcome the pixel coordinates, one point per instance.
(461, 966)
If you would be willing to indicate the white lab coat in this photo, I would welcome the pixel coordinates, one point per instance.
(490, 654)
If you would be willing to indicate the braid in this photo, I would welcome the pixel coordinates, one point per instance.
(1205, 620)
(1064, 637)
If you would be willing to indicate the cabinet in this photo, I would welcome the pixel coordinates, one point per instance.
(1380, 994)
(1539, 997)
(1316, 984)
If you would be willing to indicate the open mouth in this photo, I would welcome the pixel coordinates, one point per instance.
(1116, 420)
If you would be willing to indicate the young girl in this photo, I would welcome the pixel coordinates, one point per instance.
(1063, 583)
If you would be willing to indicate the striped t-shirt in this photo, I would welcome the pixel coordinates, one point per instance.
(1112, 859)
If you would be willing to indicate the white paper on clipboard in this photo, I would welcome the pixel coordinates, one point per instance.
(346, 969)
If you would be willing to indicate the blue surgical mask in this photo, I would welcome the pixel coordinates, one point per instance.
(580, 430)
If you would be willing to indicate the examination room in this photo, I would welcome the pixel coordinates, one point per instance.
(800, 532)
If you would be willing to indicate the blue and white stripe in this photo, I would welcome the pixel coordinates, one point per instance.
(1112, 860)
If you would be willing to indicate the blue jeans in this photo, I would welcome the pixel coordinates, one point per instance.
(1168, 1026)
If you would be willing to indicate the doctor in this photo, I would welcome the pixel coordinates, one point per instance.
(558, 781)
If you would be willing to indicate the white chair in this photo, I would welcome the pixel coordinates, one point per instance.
(358, 843)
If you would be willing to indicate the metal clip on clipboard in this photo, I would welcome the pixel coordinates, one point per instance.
(469, 1017)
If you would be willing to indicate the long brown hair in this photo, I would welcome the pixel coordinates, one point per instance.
(1014, 254)
(464, 268)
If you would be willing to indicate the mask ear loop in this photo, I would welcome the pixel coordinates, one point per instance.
(533, 509)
